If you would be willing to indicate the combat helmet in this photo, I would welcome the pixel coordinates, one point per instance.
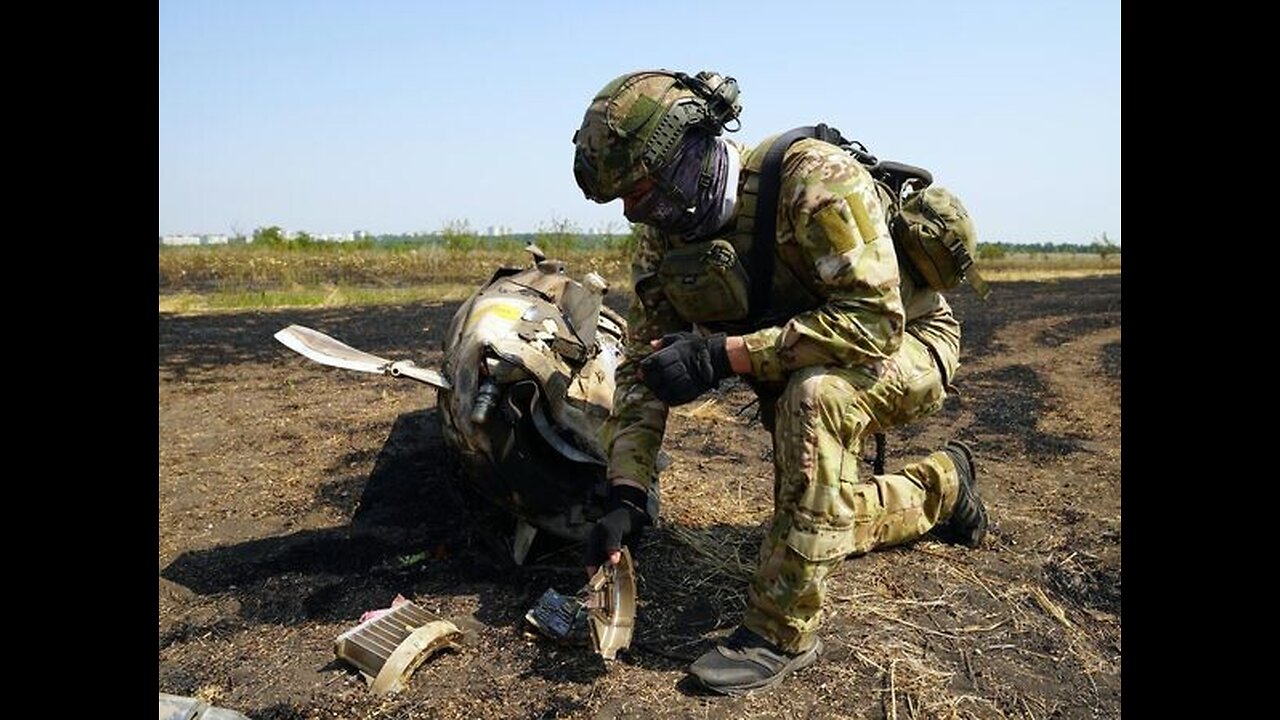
(636, 122)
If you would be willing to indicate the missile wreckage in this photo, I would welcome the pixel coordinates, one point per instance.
(526, 383)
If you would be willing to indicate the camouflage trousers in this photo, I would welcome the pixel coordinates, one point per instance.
(823, 511)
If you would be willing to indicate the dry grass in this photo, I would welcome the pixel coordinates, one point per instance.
(1032, 274)
(205, 279)
(923, 664)
(716, 554)
(1038, 267)
(325, 296)
(248, 268)
(918, 681)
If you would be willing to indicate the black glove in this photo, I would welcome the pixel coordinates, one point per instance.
(686, 366)
(625, 515)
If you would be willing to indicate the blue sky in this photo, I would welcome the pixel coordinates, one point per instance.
(402, 116)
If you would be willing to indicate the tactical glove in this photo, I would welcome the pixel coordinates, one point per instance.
(686, 366)
(625, 516)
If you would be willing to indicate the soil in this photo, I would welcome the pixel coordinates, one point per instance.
(294, 497)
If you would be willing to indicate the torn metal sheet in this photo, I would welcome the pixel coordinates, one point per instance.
(611, 606)
(387, 649)
(604, 610)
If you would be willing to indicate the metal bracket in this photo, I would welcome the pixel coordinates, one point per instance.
(611, 606)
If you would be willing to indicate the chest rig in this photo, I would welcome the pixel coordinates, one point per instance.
(722, 283)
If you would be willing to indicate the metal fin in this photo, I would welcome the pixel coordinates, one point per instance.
(325, 350)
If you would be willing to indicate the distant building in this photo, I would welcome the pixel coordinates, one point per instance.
(218, 239)
(179, 239)
(194, 239)
(334, 237)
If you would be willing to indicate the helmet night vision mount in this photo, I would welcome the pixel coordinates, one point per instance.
(713, 106)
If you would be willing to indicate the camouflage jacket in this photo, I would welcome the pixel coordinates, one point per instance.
(833, 236)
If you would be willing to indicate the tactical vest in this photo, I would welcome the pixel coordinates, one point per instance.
(717, 282)
(713, 282)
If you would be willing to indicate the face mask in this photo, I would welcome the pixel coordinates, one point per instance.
(664, 210)
(656, 209)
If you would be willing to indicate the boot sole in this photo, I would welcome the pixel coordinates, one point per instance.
(798, 663)
(973, 538)
(967, 451)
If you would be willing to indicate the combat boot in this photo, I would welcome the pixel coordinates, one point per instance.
(968, 522)
(745, 662)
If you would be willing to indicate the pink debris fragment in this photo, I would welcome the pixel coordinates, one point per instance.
(375, 614)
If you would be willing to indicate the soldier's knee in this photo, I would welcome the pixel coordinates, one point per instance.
(815, 395)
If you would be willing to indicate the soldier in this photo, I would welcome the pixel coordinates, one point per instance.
(838, 344)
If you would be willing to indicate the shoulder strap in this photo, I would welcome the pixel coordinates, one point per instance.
(766, 222)
(895, 175)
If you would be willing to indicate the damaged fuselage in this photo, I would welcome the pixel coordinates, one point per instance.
(526, 384)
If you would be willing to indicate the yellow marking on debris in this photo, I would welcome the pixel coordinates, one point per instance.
(506, 311)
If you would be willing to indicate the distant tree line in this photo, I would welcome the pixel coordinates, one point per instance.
(560, 235)
(555, 236)
(1103, 247)
(274, 236)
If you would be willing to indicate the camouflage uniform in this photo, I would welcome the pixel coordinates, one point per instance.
(873, 351)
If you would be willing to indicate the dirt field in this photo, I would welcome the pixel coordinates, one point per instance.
(294, 497)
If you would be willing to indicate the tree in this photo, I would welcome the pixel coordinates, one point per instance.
(1106, 248)
(558, 236)
(272, 236)
(990, 251)
(458, 236)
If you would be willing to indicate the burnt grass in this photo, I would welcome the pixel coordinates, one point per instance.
(293, 497)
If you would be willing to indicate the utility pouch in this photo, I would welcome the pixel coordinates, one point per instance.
(706, 282)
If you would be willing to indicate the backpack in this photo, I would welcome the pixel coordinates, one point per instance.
(930, 227)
